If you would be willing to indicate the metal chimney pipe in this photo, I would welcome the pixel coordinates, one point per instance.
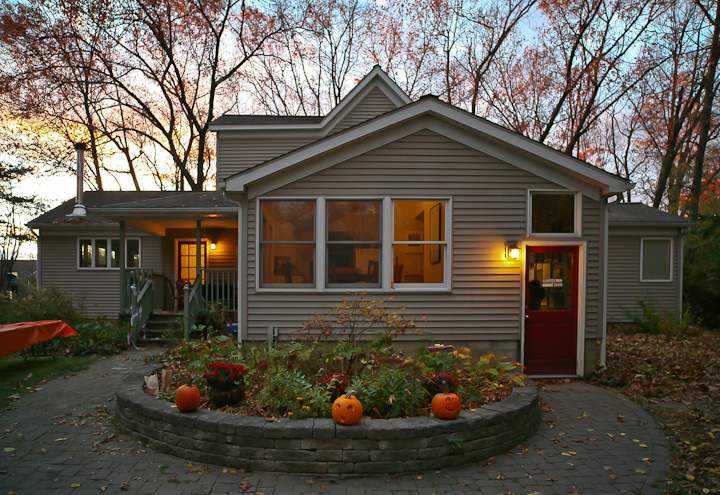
(79, 210)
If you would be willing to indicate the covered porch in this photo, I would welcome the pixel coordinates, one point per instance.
(191, 266)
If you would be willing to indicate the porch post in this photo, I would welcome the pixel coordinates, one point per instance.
(198, 257)
(121, 255)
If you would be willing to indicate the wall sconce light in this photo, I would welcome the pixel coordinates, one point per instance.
(512, 251)
(213, 246)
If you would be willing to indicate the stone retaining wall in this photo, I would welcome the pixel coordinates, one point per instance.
(320, 445)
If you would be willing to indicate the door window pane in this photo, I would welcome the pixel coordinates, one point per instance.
(550, 282)
(350, 261)
(552, 213)
(656, 260)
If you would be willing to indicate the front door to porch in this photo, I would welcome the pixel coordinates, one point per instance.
(187, 261)
(551, 311)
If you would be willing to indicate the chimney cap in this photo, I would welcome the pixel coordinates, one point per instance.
(80, 146)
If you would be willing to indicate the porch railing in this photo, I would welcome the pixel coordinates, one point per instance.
(220, 287)
(141, 301)
(192, 306)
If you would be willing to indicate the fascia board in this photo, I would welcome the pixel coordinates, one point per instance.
(150, 214)
(549, 155)
(512, 146)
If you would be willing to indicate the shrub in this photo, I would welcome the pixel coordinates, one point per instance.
(701, 271)
(390, 392)
(288, 393)
(433, 383)
(39, 305)
(100, 336)
(656, 323)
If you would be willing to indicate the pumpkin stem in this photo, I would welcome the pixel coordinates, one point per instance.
(446, 388)
(349, 393)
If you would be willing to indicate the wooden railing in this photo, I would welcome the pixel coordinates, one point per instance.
(193, 305)
(141, 301)
(221, 288)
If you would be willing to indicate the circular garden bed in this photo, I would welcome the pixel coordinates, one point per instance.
(319, 445)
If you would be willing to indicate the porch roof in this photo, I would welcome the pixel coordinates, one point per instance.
(638, 214)
(106, 208)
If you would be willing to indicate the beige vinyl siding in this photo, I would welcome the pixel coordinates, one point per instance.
(488, 208)
(237, 152)
(97, 289)
(624, 285)
(374, 104)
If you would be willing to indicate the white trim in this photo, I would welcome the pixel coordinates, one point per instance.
(680, 276)
(503, 138)
(109, 240)
(387, 242)
(581, 302)
(670, 259)
(578, 214)
(605, 242)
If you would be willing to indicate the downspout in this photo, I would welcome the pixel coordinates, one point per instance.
(241, 275)
(123, 274)
(198, 250)
(603, 322)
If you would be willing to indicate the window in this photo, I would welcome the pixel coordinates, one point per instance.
(105, 253)
(554, 213)
(287, 242)
(187, 260)
(353, 242)
(418, 242)
(330, 243)
(656, 260)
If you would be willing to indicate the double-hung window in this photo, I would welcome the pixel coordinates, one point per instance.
(100, 253)
(340, 244)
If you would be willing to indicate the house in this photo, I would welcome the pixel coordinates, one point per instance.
(645, 261)
(499, 241)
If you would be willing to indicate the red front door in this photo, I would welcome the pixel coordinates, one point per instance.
(551, 310)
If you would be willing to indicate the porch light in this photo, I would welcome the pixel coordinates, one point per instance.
(213, 246)
(512, 251)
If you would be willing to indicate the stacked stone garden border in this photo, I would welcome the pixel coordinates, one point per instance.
(319, 445)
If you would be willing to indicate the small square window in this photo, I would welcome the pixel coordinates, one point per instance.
(553, 213)
(656, 259)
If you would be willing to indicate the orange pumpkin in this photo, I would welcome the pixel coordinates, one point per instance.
(187, 398)
(347, 409)
(446, 405)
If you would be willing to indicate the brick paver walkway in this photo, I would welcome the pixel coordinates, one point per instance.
(61, 439)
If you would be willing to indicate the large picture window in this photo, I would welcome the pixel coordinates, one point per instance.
(105, 253)
(287, 242)
(656, 260)
(553, 213)
(338, 243)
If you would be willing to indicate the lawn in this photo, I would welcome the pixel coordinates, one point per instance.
(18, 375)
(677, 379)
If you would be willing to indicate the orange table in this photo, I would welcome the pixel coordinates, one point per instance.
(21, 335)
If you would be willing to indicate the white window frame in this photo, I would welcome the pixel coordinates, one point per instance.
(109, 244)
(387, 241)
(670, 254)
(578, 214)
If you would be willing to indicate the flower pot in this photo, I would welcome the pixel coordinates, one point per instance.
(220, 398)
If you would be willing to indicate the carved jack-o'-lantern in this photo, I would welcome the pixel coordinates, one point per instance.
(347, 409)
(446, 405)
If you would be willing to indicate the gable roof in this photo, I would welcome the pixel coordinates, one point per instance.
(431, 113)
(375, 79)
(638, 214)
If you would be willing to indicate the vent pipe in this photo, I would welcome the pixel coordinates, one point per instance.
(79, 210)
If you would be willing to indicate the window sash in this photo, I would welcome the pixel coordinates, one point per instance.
(533, 220)
(656, 260)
